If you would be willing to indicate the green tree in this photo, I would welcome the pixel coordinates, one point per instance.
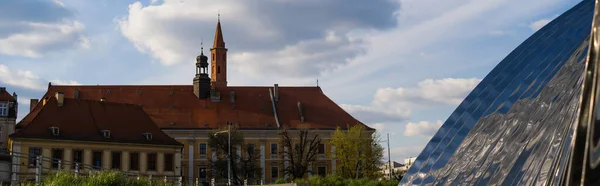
(301, 151)
(242, 167)
(358, 152)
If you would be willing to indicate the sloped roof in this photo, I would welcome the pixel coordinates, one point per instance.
(176, 106)
(83, 120)
(5, 96)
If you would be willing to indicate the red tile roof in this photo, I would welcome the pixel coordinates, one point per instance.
(5, 96)
(83, 120)
(176, 107)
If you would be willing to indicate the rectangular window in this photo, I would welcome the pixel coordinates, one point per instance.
(274, 148)
(57, 154)
(322, 171)
(297, 147)
(97, 159)
(77, 158)
(274, 172)
(33, 153)
(202, 173)
(3, 109)
(202, 148)
(250, 148)
(321, 149)
(116, 160)
(134, 161)
(151, 162)
(169, 162)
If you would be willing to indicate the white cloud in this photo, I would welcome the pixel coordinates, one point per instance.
(369, 114)
(400, 153)
(27, 79)
(21, 78)
(535, 26)
(268, 38)
(59, 82)
(396, 104)
(306, 58)
(43, 37)
(380, 127)
(419, 29)
(427, 93)
(422, 128)
(59, 3)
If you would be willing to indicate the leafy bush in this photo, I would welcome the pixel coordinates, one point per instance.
(101, 178)
(339, 181)
(280, 181)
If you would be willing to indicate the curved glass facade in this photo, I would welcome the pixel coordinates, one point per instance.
(512, 128)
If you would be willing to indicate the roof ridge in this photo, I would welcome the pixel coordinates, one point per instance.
(42, 107)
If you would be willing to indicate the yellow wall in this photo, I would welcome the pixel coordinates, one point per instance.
(21, 147)
(193, 139)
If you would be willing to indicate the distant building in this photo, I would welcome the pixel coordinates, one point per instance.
(8, 115)
(409, 162)
(188, 112)
(396, 167)
(87, 135)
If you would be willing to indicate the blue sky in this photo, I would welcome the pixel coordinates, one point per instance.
(401, 66)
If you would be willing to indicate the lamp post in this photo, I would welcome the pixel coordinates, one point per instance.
(389, 156)
(228, 131)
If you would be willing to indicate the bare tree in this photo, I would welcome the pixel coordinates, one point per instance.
(247, 166)
(301, 151)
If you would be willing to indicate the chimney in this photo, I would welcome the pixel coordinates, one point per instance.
(76, 94)
(276, 92)
(33, 103)
(60, 99)
(2, 89)
(102, 99)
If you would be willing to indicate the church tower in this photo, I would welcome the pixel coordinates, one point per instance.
(201, 80)
(218, 59)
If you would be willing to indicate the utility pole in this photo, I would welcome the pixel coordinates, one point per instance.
(228, 131)
(389, 156)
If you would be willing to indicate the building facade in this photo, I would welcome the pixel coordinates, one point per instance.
(84, 135)
(188, 113)
(8, 115)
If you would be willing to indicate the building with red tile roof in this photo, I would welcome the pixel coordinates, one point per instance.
(87, 134)
(188, 112)
(8, 115)
(97, 121)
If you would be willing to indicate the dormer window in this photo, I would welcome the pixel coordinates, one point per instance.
(148, 136)
(106, 133)
(55, 131)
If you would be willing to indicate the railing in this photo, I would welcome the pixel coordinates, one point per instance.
(21, 173)
(45, 166)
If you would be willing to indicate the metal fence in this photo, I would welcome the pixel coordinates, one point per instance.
(21, 173)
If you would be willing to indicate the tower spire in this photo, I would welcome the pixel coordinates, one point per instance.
(219, 43)
(218, 63)
(201, 45)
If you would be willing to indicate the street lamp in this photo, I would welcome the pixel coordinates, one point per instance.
(389, 156)
(228, 131)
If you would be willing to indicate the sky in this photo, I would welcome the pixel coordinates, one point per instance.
(400, 66)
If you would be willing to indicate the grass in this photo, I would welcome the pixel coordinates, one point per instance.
(101, 178)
